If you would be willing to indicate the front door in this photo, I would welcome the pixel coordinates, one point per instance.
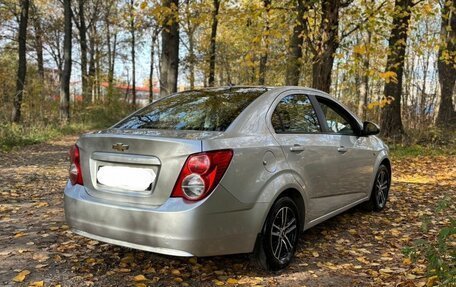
(354, 158)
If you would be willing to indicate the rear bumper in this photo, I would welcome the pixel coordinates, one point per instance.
(218, 225)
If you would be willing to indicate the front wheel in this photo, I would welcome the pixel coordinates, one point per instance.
(380, 190)
(276, 245)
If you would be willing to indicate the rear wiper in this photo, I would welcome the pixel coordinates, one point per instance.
(141, 118)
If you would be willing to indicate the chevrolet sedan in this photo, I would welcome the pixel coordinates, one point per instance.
(225, 170)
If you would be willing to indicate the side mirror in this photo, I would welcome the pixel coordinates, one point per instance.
(369, 128)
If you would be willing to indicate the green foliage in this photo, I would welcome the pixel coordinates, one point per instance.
(101, 116)
(92, 118)
(440, 254)
(13, 135)
(430, 142)
(421, 150)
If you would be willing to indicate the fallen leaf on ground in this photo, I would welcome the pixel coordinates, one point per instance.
(21, 276)
(139, 278)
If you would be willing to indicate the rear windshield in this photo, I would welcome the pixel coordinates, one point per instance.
(203, 110)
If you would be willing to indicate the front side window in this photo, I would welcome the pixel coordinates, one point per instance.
(337, 121)
(295, 114)
(203, 110)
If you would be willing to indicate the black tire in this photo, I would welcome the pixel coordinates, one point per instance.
(276, 245)
(380, 190)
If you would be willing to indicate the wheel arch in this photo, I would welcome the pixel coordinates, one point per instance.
(382, 159)
(386, 161)
(297, 196)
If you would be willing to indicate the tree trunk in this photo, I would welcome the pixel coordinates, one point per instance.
(66, 74)
(264, 54)
(213, 42)
(295, 49)
(390, 119)
(151, 73)
(111, 62)
(327, 44)
(192, 57)
(446, 117)
(92, 68)
(364, 84)
(133, 52)
(38, 43)
(169, 59)
(22, 65)
(321, 69)
(82, 28)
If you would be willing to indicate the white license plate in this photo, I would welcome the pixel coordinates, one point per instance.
(128, 178)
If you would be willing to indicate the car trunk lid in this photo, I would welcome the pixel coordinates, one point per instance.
(136, 166)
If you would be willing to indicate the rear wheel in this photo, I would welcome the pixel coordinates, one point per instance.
(380, 191)
(276, 245)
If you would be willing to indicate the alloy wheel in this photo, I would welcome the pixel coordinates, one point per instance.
(283, 233)
(382, 186)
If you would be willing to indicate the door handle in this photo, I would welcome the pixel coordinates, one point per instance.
(297, 148)
(342, 149)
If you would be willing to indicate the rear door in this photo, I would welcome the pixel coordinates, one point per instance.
(296, 126)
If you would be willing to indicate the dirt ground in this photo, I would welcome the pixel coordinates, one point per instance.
(356, 248)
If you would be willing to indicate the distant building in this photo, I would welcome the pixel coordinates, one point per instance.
(142, 92)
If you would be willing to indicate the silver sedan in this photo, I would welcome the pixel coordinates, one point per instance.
(225, 170)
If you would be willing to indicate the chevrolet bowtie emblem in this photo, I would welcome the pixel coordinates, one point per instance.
(120, 147)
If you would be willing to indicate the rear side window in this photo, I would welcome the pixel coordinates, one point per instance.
(203, 110)
(295, 114)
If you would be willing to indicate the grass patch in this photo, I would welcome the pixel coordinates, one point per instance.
(94, 117)
(14, 136)
(421, 150)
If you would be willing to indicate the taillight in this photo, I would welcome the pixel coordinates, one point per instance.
(75, 166)
(201, 174)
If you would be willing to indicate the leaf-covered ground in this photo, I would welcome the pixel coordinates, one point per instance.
(356, 248)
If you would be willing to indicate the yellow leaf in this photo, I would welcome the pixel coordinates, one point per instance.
(124, 270)
(389, 76)
(386, 270)
(41, 204)
(37, 284)
(139, 278)
(410, 276)
(91, 260)
(218, 282)
(140, 285)
(178, 279)
(431, 281)
(176, 272)
(359, 49)
(407, 261)
(19, 234)
(315, 254)
(21, 276)
(362, 259)
(231, 281)
(143, 5)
